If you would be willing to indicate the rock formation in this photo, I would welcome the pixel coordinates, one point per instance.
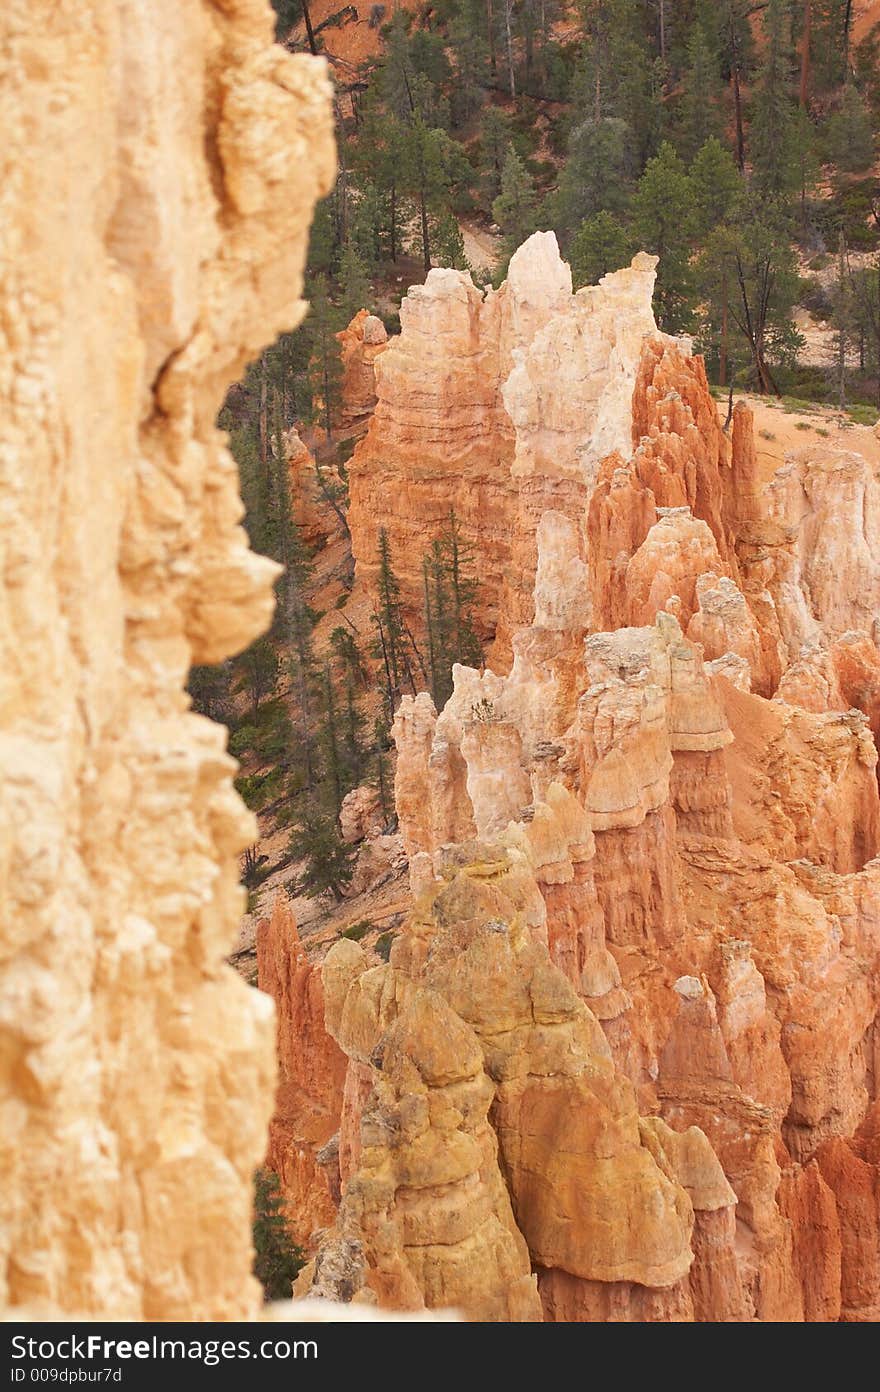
(311, 1074)
(360, 344)
(314, 524)
(622, 1062)
(626, 1037)
(462, 405)
(161, 167)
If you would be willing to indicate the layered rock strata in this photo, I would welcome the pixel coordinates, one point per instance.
(161, 167)
(637, 994)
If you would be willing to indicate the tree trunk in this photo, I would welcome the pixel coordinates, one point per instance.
(429, 629)
(737, 96)
(390, 688)
(722, 355)
(309, 30)
(490, 32)
(765, 378)
(342, 177)
(847, 20)
(331, 501)
(426, 246)
(805, 55)
(264, 415)
(394, 222)
(508, 8)
(327, 421)
(662, 9)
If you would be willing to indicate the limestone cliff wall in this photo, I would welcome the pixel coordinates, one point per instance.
(160, 166)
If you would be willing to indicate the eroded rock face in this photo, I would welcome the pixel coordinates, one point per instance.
(499, 406)
(162, 163)
(313, 522)
(471, 1019)
(649, 827)
(360, 344)
(303, 1133)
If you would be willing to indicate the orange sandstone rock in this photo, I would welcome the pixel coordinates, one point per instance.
(360, 344)
(311, 1072)
(646, 895)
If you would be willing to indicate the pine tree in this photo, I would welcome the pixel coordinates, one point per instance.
(842, 317)
(354, 283)
(333, 765)
(616, 77)
(354, 724)
(471, 57)
(345, 648)
(864, 314)
(391, 637)
(386, 796)
(850, 133)
(515, 208)
(322, 238)
(450, 600)
(495, 139)
(737, 49)
(715, 187)
(463, 593)
(447, 241)
(329, 860)
(257, 668)
(601, 244)
(277, 1260)
(773, 115)
(829, 41)
(661, 221)
(753, 256)
(701, 114)
(806, 167)
(301, 666)
(866, 66)
(323, 324)
(596, 175)
(210, 691)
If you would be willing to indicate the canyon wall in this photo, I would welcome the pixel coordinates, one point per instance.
(622, 1061)
(161, 164)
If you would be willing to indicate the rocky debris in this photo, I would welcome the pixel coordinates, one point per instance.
(360, 814)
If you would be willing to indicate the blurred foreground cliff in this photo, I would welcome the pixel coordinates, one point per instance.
(160, 168)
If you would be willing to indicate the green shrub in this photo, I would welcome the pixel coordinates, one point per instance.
(383, 945)
(357, 930)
